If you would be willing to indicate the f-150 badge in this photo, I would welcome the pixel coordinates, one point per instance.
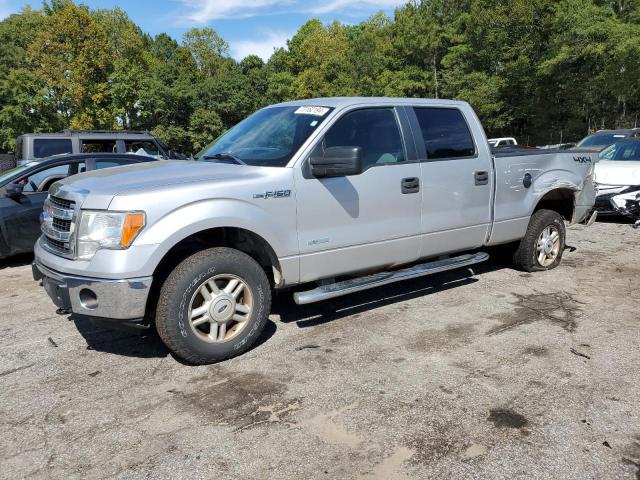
(273, 194)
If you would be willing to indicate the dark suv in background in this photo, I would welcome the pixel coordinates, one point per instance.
(35, 146)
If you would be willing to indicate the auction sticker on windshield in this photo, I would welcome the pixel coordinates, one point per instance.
(319, 111)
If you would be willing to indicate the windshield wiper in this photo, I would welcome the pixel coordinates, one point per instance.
(224, 156)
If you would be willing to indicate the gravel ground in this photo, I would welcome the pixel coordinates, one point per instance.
(500, 374)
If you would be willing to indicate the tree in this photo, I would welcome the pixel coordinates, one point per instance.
(28, 107)
(205, 126)
(207, 48)
(543, 70)
(72, 56)
(24, 102)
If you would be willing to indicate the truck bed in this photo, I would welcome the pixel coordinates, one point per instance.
(514, 202)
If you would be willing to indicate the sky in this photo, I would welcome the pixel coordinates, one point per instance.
(249, 26)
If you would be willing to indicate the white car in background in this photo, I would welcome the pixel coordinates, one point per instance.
(503, 142)
(617, 176)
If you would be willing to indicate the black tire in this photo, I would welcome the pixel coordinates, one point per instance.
(172, 315)
(526, 258)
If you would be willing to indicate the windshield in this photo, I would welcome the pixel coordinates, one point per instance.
(268, 138)
(600, 139)
(14, 171)
(629, 150)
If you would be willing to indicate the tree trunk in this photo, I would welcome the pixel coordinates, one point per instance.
(435, 73)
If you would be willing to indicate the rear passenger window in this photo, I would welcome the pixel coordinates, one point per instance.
(100, 164)
(445, 133)
(45, 147)
(98, 146)
(141, 147)
(374, 130)
(117, 162)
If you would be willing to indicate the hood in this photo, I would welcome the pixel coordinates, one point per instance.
(618, 172)
(101, 186)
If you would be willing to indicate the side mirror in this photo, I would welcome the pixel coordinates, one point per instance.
(337, 162)
(14, 190)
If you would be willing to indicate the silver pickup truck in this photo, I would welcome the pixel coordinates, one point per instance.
(340, 194)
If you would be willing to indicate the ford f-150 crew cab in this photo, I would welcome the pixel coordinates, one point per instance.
(340, 194)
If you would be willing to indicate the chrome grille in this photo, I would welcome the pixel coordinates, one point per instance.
(56, 244)
(61, 202)
(58, 225)
(62, 225)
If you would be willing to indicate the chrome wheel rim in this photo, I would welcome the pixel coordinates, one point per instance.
(548, 246)
(220, 308)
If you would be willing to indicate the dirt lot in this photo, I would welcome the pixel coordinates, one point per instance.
(498, 375)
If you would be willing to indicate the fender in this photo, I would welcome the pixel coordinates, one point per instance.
(278, 231)
(554, 180)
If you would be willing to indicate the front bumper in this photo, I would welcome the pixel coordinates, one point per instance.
(95, 297)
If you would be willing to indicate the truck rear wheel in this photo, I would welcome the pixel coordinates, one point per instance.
(542, 246)
(213, 306)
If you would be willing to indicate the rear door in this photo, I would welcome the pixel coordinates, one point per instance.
(456, 177)
(370, 220)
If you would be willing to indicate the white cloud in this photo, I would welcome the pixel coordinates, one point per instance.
(353, 5)
(263, 46)
(203, 11)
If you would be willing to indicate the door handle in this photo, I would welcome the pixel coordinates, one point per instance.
(481, 178)
(410, 185)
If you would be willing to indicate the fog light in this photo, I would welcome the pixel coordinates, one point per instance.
(88, 299)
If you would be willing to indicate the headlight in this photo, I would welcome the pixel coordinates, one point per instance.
(103, 229)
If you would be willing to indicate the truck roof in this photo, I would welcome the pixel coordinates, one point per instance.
(92, 134)
(336, 102)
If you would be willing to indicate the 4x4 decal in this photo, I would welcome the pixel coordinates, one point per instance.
(582, 159)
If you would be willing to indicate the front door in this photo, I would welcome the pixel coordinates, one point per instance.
(366, 221)
(21, 218)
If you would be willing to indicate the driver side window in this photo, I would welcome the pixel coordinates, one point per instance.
(374, 130)
(42, 180)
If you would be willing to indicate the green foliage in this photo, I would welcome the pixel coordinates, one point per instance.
(543, 70)
(206, 126)
(208, 49)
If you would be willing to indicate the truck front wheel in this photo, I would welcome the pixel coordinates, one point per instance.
(542, 246)
(213, 306)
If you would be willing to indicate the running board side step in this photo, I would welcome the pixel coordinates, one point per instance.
(345, 287)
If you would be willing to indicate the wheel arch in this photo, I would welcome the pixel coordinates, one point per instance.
(561, 200)
(247, 241)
